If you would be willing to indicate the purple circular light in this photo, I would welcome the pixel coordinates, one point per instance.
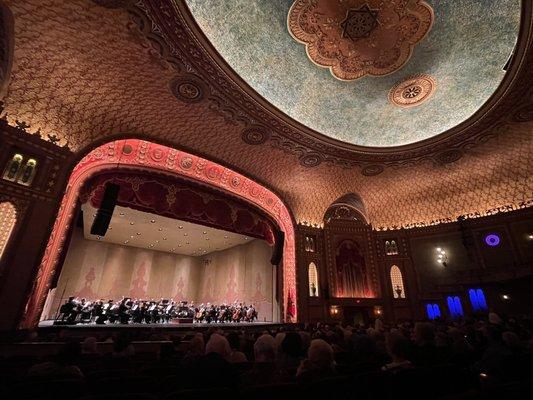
(492, 240)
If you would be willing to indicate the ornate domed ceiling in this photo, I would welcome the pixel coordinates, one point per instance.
(366, 72)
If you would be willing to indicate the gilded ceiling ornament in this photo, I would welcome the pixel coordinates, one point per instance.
(412, 91)
(355, 38)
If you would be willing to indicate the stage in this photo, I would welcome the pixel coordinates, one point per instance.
(49, 326)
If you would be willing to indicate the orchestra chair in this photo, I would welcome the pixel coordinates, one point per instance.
(202, 394)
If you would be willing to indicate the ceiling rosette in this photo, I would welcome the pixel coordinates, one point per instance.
(354, 38)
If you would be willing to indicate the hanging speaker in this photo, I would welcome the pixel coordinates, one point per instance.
(277, 253)
(105, 212)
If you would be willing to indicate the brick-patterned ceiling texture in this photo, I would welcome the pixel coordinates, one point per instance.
(83, 72)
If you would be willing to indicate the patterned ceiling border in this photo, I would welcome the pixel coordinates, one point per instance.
(172, 31)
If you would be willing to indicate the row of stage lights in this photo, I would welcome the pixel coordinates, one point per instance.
(173, 249)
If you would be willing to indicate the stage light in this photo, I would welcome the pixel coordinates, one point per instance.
(505, 297)
(530, 237)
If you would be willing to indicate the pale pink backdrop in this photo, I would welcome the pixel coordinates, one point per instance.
(95, 270)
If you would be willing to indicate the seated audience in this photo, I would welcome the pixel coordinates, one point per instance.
(319, 362)
(398, 349)
(63, 365)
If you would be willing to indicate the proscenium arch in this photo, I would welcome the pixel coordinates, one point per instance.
(137, 154)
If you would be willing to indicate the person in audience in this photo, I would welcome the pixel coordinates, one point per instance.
(398, 349)
(235, 356)
(213, 369)
(425, 353)
(319, 363)
(62, 366)
(89, 346)
(264, 370)
(195, 350)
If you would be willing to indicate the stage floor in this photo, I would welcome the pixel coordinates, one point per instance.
(49, 325)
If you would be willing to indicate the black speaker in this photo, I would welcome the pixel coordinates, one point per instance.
(277, 253)
(105, 212)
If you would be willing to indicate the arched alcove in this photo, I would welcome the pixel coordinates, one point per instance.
(396, 278)
(313, 280)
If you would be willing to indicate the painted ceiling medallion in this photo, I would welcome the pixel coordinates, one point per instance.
(355, 38)
(412, 91)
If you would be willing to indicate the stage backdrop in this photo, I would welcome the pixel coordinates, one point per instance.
(95, 270)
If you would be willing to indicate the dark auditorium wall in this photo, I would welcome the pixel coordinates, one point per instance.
(471, 264)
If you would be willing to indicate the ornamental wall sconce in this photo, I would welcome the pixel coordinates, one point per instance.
(335, 311)
(442, 257)
(378, 311)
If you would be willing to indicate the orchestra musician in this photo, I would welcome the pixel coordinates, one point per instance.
(128, 310)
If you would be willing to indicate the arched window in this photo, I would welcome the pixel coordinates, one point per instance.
(433, 311)
(313, 280)
(8, 218)
(477, 299)
(396, 279)
(454, 306)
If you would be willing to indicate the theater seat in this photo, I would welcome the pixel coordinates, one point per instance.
(120, 396)
(52, 388)
(201, 394)
(281, 391)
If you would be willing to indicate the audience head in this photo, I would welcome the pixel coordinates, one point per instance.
(292, 344)
(196, 345)
(424, 334)
(397, 346)
(320, 355)
(218, 344)
(89, 345)
(265, 349)
(234, 340)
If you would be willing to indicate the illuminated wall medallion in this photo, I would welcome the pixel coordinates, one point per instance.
(492, 240)
(413, 91)
(359, 37)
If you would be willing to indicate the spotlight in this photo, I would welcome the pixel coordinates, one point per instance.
(505, 297)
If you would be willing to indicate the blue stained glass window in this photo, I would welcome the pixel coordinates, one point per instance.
(433, 311)
(477, 299)
(454, 306)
